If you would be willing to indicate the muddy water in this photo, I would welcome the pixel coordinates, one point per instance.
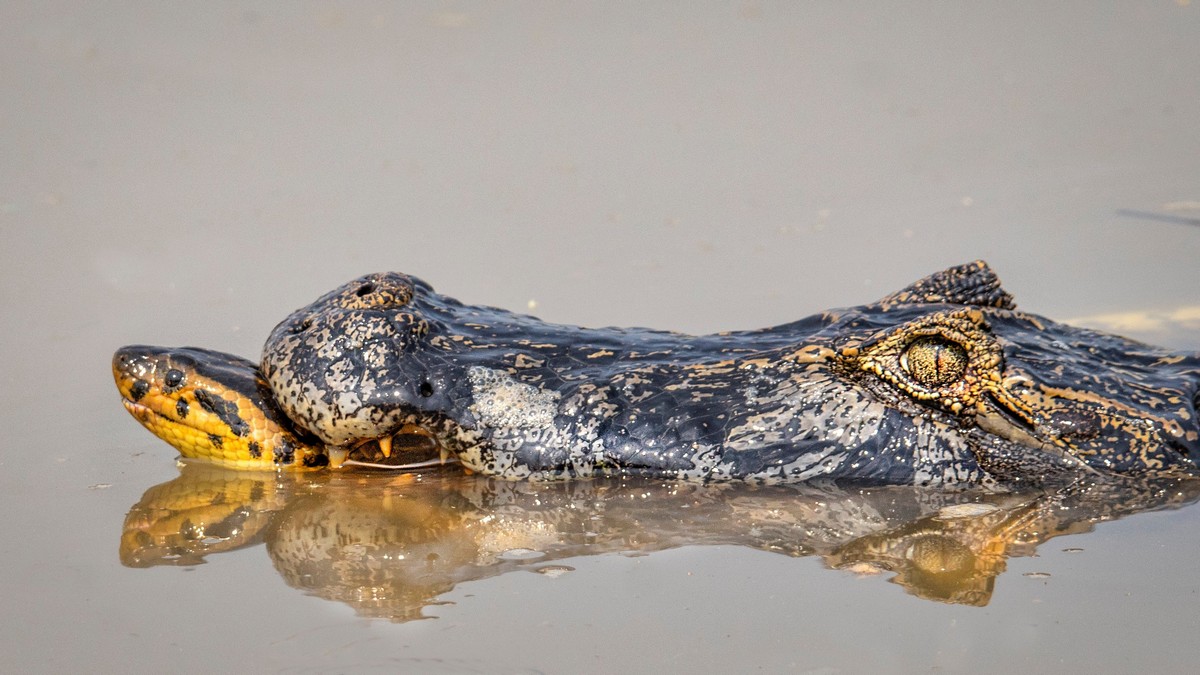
(178, 176)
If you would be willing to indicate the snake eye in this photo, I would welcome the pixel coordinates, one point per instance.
(934, 361)
(173, 378)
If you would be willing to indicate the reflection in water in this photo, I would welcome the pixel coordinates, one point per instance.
(390, 545)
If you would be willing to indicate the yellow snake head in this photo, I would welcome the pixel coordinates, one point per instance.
(211, 405)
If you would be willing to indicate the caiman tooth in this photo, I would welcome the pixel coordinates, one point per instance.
(385, 446)
(337, 456)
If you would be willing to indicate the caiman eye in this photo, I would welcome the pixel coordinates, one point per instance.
(934, 361)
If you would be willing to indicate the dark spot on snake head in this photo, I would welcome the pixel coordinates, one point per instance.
(365, 289)
(181, 409)
(139, 389)
(302, 326)
(226, 411)
(216, 441)
(255, 449)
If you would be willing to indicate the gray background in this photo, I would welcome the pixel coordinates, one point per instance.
(191, 173)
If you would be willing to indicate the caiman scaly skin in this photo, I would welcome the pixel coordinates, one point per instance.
(942, 383)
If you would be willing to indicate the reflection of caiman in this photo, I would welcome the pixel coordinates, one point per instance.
(941, 383)
(390, 546)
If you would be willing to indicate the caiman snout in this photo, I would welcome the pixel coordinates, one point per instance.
(1112, 404)
(1142, 422)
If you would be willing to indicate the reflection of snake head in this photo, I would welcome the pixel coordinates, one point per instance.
(206, 509)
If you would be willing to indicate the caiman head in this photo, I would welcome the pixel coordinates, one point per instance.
(1030, 394)
(949, 361)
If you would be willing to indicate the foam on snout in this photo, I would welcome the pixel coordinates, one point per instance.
(500, 401)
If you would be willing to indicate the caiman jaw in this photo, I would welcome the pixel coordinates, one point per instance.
(1105, 432)
(1007, 416)
(410, 447)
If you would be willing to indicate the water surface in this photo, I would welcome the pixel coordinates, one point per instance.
(175, 175)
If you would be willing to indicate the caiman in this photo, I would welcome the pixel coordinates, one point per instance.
(942, 383)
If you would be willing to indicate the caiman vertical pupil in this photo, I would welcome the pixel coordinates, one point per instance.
(935, 361)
